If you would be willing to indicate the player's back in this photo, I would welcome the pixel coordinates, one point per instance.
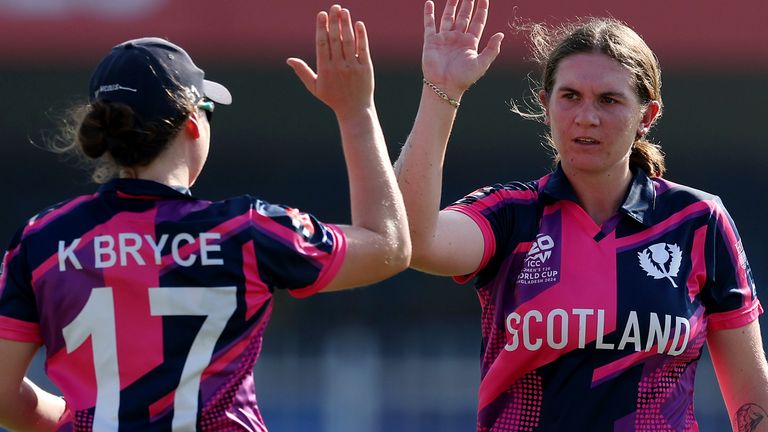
(151, 303)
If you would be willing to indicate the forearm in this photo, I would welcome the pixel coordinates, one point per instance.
(747, 400)
(742, 372)
(31, 409)
(419, 168)
(375, 200)
(748, 406)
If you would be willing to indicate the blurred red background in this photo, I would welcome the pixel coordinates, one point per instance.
(685, 34)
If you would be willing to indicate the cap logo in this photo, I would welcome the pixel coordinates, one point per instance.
(193, 93)
(111, 88)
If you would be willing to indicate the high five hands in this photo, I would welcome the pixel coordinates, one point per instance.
(450, 56)
(344, 78)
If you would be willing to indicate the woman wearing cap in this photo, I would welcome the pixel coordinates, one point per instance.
(152, 303)
(601, 281)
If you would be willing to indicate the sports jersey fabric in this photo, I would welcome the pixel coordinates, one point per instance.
(600, 327)
(152, 303)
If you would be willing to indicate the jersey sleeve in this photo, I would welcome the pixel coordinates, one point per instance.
(730, 296)
(18, 308)
(296, 251)
(493, 209)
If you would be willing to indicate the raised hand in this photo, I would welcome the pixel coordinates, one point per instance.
(344, 78)
(450, 57)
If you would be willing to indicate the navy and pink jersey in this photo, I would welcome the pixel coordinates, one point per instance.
(152, 303)
(600, 327)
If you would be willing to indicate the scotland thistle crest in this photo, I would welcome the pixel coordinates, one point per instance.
(654, 259)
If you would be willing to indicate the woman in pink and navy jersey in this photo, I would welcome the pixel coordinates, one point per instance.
(151, 302)
(600, 282)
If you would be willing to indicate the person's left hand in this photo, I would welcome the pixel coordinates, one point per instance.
(344, 78)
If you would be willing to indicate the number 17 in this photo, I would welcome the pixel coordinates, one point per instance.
(97, 321)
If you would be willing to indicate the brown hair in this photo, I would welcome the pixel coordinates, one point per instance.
(550, 45)
(109, 137)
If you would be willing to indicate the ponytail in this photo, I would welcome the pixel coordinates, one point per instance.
(649, 157)
(109, 137)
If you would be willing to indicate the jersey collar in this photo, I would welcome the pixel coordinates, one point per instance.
(638, 203)
(144, 189)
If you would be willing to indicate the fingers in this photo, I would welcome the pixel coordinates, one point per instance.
(446, 23)
(363, 52)
(464, 15)
(469, 19)
(491, 50)
(347, 36)
(322, 48)
(304, 72)
(336, 38)
(343, 78)
(429, 18)
(334, 31)
(478, 21)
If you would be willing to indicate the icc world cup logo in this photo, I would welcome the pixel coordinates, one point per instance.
(661, 260)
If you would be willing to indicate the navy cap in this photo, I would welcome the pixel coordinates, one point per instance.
(141, 72)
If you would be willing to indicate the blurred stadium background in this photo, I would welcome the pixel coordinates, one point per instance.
(402, 355)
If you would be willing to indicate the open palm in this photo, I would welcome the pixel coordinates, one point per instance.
(450, 57)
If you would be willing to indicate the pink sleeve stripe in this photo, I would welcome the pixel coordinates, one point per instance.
(725, 224)
(331, 269)
(737, 318)
(698, 274)
(20, 331)
(38, 224)
(668, 224)
(489, 239)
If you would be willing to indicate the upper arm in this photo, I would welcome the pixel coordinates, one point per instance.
(742, 372)
(729, 295)
(470, 232)
(457, 247)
